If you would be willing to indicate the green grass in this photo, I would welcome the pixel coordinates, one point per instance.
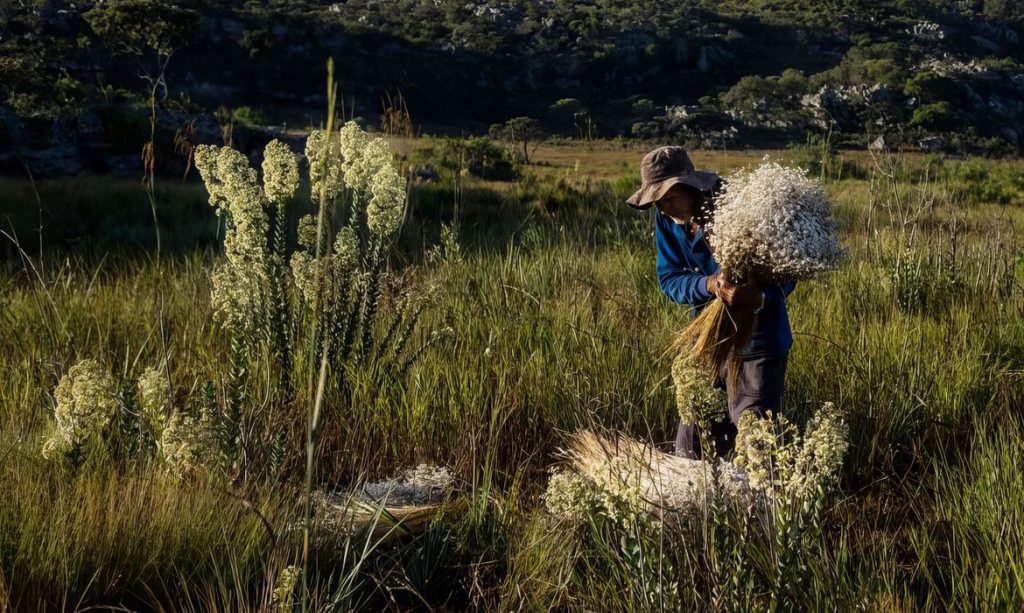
(557, 323)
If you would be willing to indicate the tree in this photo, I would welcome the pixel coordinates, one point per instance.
(519, 132)
(936, 116)
(138, 26)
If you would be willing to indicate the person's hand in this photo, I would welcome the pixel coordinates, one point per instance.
(746, 295)
(711, 284)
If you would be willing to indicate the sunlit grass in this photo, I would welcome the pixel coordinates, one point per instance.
(556, 323)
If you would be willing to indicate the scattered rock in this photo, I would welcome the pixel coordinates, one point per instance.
(931, 144)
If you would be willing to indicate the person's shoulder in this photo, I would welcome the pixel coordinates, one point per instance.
(662, 221)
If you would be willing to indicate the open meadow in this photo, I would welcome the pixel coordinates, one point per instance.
(506, 314)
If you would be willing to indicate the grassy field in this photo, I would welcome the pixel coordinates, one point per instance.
(547, 319)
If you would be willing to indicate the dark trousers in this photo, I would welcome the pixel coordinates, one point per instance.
(758, 388)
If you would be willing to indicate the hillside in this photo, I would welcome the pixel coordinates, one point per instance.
(941, 75)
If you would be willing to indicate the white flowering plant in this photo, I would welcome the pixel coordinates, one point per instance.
(318, 287)
(86, 404)
(697, 399)
(796, 472)
(94, 412)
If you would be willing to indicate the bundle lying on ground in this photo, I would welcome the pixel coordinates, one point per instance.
(410, 499)
(771, 224)
(775, 465)
(612, 473)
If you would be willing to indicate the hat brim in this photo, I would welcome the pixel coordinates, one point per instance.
(701, 180)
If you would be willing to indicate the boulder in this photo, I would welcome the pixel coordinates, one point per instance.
(931, 144)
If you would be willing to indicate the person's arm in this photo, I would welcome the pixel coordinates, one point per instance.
(677, 281)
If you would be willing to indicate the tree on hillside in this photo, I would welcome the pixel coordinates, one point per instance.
(141, 26)
(519, 132)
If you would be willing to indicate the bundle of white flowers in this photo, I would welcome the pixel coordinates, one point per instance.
(86, 402)
(771, 224)
(619, 476)
(776, 223)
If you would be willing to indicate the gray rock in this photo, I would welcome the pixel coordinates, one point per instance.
(880, 144)
(931, 144)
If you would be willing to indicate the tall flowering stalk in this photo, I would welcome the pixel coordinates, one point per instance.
(771, 224)
(244, 285)
(795, 472)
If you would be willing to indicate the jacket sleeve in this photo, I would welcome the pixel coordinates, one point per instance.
(678, 281)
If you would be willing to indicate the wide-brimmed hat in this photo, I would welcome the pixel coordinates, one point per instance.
(665, 167)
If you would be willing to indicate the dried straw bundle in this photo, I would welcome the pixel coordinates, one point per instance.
(641, 477)
(772, 223)
(392, 507)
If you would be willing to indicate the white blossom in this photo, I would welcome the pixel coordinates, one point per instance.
(787, 465)
(387, 206)
(153, 398)
(55, 447)
(280, 172)
(775, 222)
(86, 402)
(370, 173)
(240, 285)
(324, 156)
(283, 598)
(697, 400)
(189, 443)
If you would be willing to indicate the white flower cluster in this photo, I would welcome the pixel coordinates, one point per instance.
(570, 496)
(189, 443)
(365, 166)
(786, 465)
(697, 400)
(370, 173)
(153, 398)
(239, 285)
(280, 172)
(86, 402)
(324, 156)
(55, 448)
(776, 223)
(282, 598)
(310, 274)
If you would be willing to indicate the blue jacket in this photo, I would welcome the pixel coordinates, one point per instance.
(684, 264)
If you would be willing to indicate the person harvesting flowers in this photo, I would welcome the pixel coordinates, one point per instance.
(688, 273)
